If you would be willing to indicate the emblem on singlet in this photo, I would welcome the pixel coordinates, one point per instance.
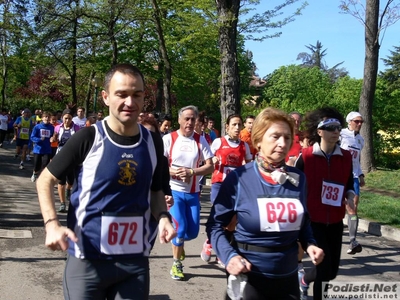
(127, 172)
(233, 160)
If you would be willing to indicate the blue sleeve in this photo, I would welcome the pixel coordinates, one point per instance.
(17, 121)
(306, 235)
(213, 135)
(221, 215)
(35, 135)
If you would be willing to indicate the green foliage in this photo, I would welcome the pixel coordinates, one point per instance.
(297, 88)
(346, 94)
(392, 74)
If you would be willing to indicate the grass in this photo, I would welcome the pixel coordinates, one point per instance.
(380, 198)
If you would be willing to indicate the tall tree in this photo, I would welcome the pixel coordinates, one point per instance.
(228, 14)
(57, 32)
(392, 73)
(166, 64)
(316, 59)
(12, 13)
(374, 23)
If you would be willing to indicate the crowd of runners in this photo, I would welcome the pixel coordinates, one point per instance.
(280, 186)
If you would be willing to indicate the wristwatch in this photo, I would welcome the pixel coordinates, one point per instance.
(166, 214)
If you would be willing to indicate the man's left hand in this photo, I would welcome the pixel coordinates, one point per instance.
(165, 230)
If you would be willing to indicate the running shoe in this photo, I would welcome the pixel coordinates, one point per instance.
(220, 263)
(21, 165)
(28, 157)
(303, 288)
(62, 208)
(206, 252)
(177, 271)
(354, 248)
(34, 177)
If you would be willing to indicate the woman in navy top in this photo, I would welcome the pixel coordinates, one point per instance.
(268, 199)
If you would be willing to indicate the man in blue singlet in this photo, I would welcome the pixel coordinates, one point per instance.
(118, 186)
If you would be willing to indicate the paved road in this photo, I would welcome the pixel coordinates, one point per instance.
(28, 270)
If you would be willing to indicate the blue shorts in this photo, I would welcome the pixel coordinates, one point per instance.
(185, 216)
(106, 279)
(356, 186)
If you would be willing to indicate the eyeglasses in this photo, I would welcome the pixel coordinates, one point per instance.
(331, 128)
(358, 121)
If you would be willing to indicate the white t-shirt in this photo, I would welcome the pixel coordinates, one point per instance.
(353, 143)
(3, 122)
(185, 153)
(80, 122)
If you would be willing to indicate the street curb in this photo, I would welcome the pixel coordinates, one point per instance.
(377, 229)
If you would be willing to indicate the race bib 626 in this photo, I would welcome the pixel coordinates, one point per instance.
(280, 214)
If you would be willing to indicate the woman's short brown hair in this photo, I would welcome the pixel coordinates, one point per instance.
(265, 119)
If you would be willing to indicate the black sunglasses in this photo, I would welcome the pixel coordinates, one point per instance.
(331, 128)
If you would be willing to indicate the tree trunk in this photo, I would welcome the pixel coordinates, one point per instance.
(228, 13)
(3, 47)
(89, 91)
(369, 82)
(74, 48)
(164, 55)
(159, 94)
(4, 86)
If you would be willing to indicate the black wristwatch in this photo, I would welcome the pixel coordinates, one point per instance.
(165, 213)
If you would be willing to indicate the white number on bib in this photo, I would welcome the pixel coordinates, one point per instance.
(332, 193)
(280, 214)
(121, 234)
(44, 133)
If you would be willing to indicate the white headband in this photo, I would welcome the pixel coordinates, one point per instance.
(328, 122)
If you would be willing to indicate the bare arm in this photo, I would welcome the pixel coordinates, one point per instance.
(159, 210)
(56, 235)
(205, 169)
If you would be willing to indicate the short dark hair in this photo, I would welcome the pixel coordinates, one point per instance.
(166, 117)
(296, 113)
(124, 68)
(231, 116)
(249, 117)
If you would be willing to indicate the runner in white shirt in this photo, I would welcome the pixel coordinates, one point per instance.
(351, 140)
(185, 149)
(80, 118)
(3, 126)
